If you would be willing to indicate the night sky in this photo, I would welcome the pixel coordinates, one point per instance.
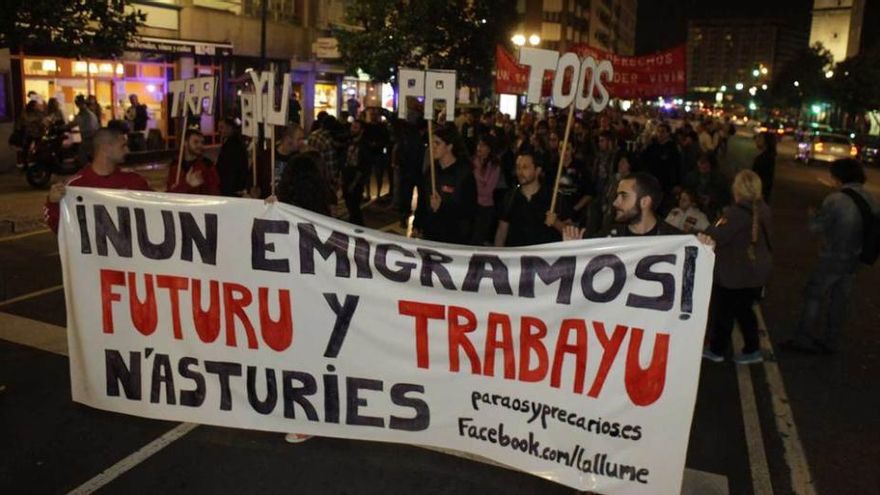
(662, 24)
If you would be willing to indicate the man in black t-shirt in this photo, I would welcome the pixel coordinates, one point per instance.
(526, 218)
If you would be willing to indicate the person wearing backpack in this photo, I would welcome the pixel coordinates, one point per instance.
(844, 228)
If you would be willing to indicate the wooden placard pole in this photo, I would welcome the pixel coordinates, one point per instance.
(182, 145)
(568, 122)
(431, 156)
(254, 144)
(272, 157)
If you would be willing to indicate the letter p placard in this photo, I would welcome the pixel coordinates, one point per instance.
(433, 85)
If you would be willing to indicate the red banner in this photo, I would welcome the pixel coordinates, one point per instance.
(510, 77)
(648, 76)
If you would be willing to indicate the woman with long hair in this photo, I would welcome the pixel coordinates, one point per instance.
(446, 215)
(487, 174)
(765, 163)
(743, 262)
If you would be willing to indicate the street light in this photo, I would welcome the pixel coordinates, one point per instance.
(764, 70)
(518, 39)
(753, 90)
(796, 84)
(764, 87)
(829, 74)
(756, 72)
(723, 88)
(739, 86)
(534, 40)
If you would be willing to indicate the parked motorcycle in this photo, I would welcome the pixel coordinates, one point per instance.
(54, 153)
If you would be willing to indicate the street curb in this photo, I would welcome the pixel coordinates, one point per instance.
(13, 227)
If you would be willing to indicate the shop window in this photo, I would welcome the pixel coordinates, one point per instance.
(152, 71)
(40, 67)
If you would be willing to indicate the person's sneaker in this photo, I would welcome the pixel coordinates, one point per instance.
(711, 356)
(750, 358)
(296, 438)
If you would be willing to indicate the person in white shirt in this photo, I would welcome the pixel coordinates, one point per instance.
(687, 216)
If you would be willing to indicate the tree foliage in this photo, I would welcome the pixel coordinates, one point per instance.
(458, 35)
(808, 70)
(76, 28)
(855, 83)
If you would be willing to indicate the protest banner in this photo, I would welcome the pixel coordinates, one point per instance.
(577, 362)
(190, 96)
(647, 76)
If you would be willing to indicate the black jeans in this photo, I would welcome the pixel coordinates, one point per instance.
(729, 305)
(353, 193)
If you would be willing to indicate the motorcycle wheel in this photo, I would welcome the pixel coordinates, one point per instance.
(38, 175)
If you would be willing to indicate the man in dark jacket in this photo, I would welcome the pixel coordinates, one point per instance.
(839, 222)
(355, 173)
(663, 161)
(232, 161)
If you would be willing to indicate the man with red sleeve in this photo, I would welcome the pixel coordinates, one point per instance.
(199, 175)
(110, 148)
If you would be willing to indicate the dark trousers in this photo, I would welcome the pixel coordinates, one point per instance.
(381, 168)
(729, 305)
(826, 283)
(353, 193)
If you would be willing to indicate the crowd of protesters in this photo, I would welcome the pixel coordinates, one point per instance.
(492, 182)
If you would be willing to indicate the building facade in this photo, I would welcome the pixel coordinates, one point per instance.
(725, 52)
(608, 25)
(837, 25)
(181, 39)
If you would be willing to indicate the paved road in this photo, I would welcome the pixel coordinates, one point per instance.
(52, 445)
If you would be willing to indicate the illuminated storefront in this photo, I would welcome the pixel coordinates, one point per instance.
(145, 73)
(326, 99)
(367, 93)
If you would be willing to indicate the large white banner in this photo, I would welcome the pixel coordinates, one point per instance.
(577, 362)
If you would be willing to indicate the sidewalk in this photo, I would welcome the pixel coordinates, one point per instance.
(21, 206)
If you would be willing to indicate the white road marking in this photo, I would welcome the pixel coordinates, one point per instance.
(32, 333)
(795, 458)
(53, 338)
(761, 484)
(133, 460)
(31, 295)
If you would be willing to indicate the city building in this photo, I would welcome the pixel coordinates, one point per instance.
(837, 25)
(608, 25)
(727, 52)
(181, 39)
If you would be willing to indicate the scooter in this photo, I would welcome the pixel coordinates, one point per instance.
(54, 153)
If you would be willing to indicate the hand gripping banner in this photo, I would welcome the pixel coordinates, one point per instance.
(577, 362)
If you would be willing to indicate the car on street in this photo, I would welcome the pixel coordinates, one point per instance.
(826, 147)
(773, 126)
(869, 149)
